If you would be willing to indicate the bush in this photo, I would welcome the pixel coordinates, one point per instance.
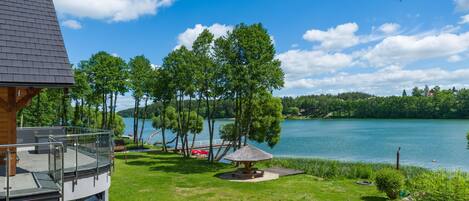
(440, 185)
(389, 181)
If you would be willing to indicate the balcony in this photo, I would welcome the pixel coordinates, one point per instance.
(46, 158)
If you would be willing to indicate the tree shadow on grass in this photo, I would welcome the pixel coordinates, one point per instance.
(187, 166)
(170, 162)
(373, 198)
(130, 156)
(141, 163)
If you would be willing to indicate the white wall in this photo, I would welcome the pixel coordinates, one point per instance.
(87, 187)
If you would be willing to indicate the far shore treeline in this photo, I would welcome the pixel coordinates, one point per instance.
(423, 103)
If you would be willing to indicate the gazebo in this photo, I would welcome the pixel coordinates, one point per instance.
(248, 155)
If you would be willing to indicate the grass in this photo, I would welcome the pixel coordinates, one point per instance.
(163, 176)
(330, 169)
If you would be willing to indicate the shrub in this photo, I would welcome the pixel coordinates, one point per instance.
(389, 181)
(440, 185)
(467, 137)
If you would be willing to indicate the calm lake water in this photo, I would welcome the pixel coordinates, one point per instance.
(369, 140)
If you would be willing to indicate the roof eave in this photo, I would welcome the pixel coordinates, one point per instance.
(36, 85)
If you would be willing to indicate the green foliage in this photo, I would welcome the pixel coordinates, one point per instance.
(118, 126)
(267, 116)
(330, 169)
(227, 132)
(389, 181)
(440, 185)
(45, 109)
(292, 111)
(140, 73)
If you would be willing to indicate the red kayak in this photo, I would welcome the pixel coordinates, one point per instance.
(199, 152)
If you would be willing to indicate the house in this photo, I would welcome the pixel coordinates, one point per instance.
(55, 163)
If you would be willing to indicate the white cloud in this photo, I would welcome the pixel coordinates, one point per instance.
(462, 5)
(155, 66)
(387, 81)
(464, 19)
(389, 28)
(299, 63)
(402, 49)
(340, 37)
(72, 24)
(188, 37)
(454, 58)
(110, 10)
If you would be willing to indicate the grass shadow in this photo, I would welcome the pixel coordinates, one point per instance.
(373, 198)
(169, 162)
(187, 166)
(130, 156)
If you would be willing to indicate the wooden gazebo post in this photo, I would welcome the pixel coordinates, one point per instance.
(12, 99)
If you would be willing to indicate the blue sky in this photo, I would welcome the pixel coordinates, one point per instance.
(333, 46)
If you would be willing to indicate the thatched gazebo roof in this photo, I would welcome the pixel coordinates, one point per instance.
(249, 153)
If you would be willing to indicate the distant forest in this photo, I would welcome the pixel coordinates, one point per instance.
(427, 103)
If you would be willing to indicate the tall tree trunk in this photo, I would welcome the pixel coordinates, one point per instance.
(180, 127)
(96, 110)
(82, 103)
(38, 111)
(111, 102)
(103, 112)
(114, 109)
(64, 106)
(76, 114)
(210, 140)
(144, 118)
(136, 118)
(199, 100)
(188, 120)
(163, 117)
(248, 129)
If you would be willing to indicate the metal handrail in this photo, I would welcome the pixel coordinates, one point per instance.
(75, 135)
(8, 162)
(75, 139)
(31, 144)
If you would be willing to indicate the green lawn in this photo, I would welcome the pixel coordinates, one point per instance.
(158, 176)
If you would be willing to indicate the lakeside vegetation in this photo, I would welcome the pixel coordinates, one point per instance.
(332, 169)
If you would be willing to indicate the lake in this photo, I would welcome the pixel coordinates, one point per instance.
(368, 140)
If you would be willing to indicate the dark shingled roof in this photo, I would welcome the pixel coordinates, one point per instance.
(248, 153)
(32, 51)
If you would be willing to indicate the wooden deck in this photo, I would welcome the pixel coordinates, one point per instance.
(284, 171)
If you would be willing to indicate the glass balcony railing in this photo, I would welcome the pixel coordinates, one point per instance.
(86, 149)
(48, 157)
(23, 174)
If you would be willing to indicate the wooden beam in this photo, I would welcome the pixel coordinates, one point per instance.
(4, 105)
(12, 134)
(31, 92)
